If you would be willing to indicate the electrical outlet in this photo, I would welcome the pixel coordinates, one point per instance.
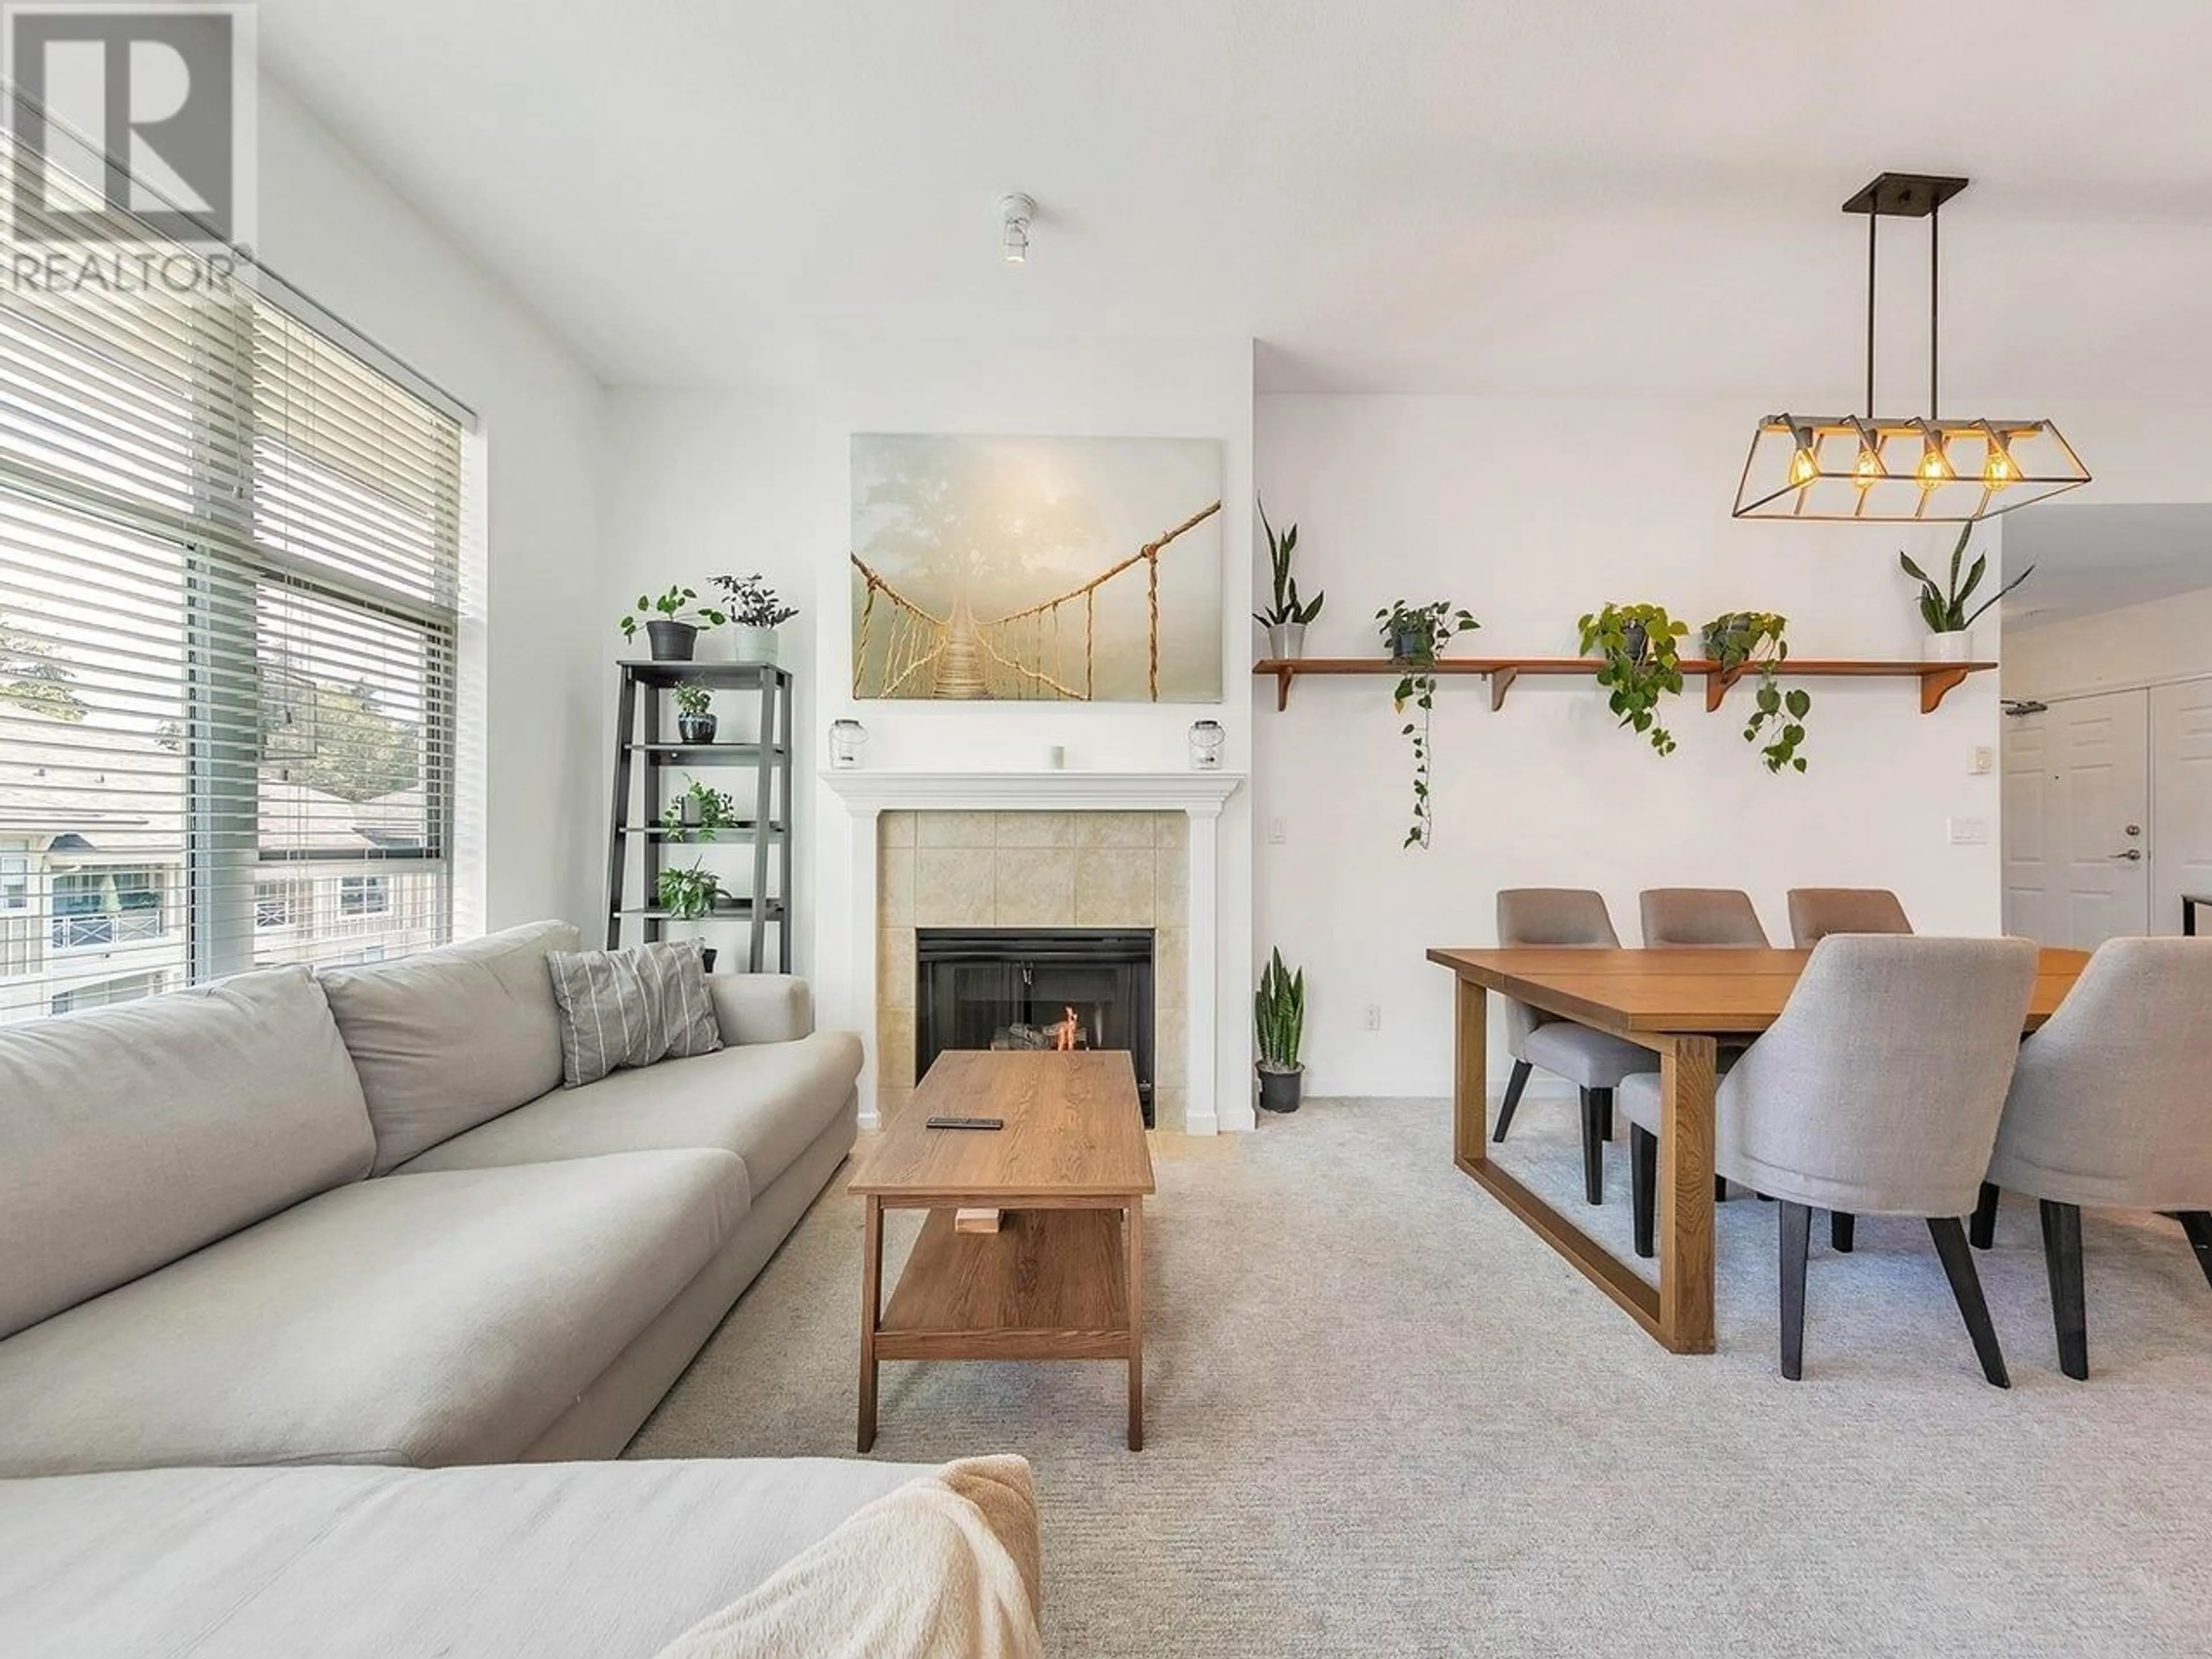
(1275, 830)
(1983, 760)
(1970, 832)
(1374, 1019)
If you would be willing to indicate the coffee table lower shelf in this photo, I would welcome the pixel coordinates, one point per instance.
(1051, 1283)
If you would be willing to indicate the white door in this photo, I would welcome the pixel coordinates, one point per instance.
(2076, 812)
(2181, 802)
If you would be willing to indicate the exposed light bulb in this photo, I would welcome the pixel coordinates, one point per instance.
(1934, 465)
(1804, 468)
(1999, 469)
(1866, 471)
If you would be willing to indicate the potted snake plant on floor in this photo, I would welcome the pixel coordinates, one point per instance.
(1279, 1007)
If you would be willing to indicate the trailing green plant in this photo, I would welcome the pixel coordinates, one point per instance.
(753, 602)
(1416, 634)
(711, 810)
(687, 894)
(1944, 608)
(1287, 607)
(678, 604)
(1757, 639)
(693, 698)
(1279, 1012)
(1643, 664)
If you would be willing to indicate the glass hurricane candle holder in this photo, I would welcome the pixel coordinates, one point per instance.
(1207, 740)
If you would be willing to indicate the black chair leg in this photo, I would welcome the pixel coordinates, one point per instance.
(1642, 1183)
(1720, 1189)
(1950, 1236)
(2069, 1307)
(2197, 1224)
(1604, 1113)
(1983, 1231)
(1514, 1086)
(1841, 1225)
(1796, 1234)
(1593, 1150)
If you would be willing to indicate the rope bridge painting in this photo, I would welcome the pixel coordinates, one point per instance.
(1041, 570)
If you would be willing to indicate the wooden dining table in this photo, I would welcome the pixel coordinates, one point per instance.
(1678, 1003)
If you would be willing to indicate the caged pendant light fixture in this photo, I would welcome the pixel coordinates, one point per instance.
(1875, 468)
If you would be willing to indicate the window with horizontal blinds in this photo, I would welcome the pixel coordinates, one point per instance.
(229, 568)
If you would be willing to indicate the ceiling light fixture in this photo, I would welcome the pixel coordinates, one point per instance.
(1015, 213)
(1870, 468)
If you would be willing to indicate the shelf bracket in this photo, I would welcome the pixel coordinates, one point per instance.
(1937, 683)
(1501, 681)
(1283, 678)
(1718, 682)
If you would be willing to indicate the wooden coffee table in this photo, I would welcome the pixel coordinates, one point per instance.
(1063, 1277)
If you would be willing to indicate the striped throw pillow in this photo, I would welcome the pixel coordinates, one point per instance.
(631, 1008)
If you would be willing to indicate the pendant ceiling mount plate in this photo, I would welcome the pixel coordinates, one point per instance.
(1923, 469)
(1906, 195)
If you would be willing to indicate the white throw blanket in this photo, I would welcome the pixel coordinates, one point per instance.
(946, 1567)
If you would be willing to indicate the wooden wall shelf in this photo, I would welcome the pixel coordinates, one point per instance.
(1938, 679)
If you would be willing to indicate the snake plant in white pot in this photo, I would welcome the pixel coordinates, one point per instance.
(1286, 618)
(1950, 625)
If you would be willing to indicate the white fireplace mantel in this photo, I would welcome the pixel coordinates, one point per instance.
(1200, 795)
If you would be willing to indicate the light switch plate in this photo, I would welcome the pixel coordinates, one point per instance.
(1970, 832)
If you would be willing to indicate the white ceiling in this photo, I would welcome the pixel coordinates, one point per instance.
(2091, 559)
(1575, 196)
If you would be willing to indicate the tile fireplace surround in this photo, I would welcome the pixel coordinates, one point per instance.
(1082, 850)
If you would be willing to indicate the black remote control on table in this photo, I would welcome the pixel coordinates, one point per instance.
(965, 1124)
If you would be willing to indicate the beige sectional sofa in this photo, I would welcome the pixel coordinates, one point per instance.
(355, 1219)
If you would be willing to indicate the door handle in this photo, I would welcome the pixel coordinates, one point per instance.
(2133, 855)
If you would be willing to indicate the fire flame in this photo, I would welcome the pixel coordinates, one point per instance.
(1063, 1034)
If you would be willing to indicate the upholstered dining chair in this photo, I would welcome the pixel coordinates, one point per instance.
(1720, 918)
(1817, 912)
(1700, 916)
(2108, 1111)
(1593, 1061)
(1876, 1091)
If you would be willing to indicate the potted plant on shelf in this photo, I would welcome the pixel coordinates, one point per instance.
(1642, 663)
(695, 719)
(1416, 634)
(1286, 618)
(1756, 639)
(698, 808)
(1950, 625)
(757, 613)
(672, 637)
(687, 894)
(1280, 1008)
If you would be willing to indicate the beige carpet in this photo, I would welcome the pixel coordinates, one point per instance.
(1384, 1419)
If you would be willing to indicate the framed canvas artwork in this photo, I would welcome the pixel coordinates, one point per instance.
(1036, 570)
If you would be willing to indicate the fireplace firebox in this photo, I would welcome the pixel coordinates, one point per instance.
(1035, 988)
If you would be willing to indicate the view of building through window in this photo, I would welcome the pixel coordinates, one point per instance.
(229, 556)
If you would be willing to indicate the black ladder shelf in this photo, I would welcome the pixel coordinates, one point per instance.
(642, 759)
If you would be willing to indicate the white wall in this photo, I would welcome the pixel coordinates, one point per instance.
(2139, 645)
(1152, 388)
(331, 227)
(700, 484)
(1530, 513)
